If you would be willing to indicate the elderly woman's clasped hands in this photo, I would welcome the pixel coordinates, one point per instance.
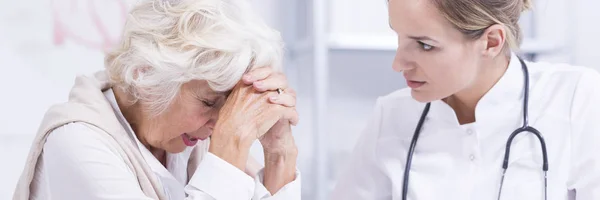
(260, 107)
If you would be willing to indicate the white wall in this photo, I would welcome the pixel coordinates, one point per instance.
(38, 68)
(586, 33)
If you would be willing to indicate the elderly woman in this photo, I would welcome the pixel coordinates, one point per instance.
(171, 116)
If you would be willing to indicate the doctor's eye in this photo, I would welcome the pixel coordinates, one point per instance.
(425, 47)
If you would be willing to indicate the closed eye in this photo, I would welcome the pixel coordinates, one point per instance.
(208, 103)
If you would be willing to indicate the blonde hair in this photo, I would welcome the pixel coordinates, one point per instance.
(167, 43)
(473, 17)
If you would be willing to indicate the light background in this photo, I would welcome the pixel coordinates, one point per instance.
(38, 66)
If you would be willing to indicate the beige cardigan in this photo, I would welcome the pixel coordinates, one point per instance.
(88, 104)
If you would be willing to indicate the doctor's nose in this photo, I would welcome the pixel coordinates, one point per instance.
(401, 63)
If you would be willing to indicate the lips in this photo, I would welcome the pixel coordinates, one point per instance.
(415, 84)
(189, 140)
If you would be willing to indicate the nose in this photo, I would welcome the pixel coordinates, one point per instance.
(213, 120)
(204, 127)
(211, 124)
(402, 62)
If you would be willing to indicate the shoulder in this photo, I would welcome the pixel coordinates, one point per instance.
(74, 132)
(80, 162)
(79, 139)
(83, 148)
(560, 72)
(563, 81)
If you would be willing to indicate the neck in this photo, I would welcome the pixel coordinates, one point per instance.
(465, 101)
(133, 115)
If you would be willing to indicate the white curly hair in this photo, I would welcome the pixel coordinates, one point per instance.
(168, 43)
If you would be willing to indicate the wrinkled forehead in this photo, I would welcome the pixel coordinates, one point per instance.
(417, 18)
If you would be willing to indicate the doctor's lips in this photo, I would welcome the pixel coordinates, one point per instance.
(414, 84)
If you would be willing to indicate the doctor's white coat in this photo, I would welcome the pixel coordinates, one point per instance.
(463, 162)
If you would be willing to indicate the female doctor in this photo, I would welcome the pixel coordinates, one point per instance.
(477, 122)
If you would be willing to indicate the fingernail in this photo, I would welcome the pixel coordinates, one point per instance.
(274, 98)
(258, 84)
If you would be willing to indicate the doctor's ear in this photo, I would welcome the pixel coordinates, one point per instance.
(494, 40)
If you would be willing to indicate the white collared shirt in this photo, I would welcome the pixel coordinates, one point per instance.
(464, 162)
(75, 166)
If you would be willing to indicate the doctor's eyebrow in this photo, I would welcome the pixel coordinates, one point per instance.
(421, 38)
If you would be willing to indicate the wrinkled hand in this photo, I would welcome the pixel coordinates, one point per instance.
(246, 116)
(280, 151)
(278, 140)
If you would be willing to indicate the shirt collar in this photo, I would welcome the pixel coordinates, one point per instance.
(508, 89)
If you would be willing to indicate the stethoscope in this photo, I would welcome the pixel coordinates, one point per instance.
(524, 128)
